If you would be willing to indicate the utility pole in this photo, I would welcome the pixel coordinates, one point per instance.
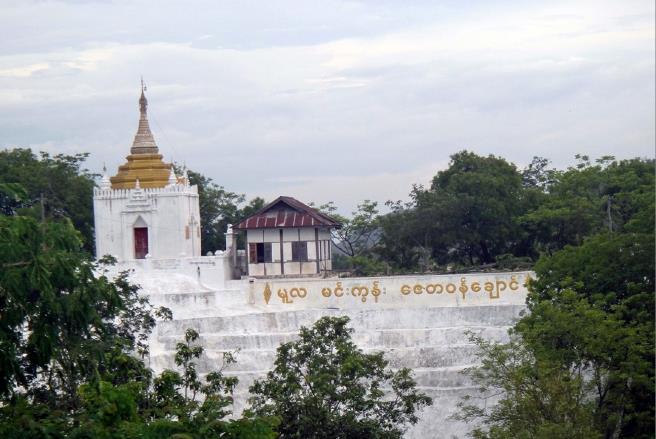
(43, 210)
(610, 217)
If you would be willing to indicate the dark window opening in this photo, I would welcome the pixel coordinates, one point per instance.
(140, 242)
(259, 252)
(299, 251)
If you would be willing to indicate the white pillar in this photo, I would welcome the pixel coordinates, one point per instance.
(231, 249)
(229, 239)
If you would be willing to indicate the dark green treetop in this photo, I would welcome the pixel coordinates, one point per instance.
(323, 386)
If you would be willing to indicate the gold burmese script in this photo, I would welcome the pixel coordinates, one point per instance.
(288, 296)
(492, 288)
(363, 292)
(360, 291)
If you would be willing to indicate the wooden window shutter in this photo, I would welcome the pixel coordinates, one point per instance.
(299, 251)
(268, 256)
(252, 253)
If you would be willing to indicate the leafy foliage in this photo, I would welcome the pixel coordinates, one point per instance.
(357, 234)
(54, 187)
(481, 210)
(72, 343)
(72, 316)
(514, 384)
(467, 216)
(581, 363)
(218, 208)
(175, 404)
(355, 241)
(323, 386)
(587, 199)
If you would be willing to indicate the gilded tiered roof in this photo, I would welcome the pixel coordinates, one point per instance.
(144, 162)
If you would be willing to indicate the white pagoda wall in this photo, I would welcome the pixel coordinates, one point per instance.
(167, 212)
(403, 316)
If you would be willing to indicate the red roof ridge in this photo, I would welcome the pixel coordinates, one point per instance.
(305, 214)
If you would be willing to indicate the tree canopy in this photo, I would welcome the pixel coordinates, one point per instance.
(581, 362)
(54, 187)
(323, 386)
(483, 212)
(218, 208)
(72, 343)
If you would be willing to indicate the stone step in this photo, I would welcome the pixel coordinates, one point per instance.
(262, 359)
(443, 385)
(431, 341)
(291, 321)
(203, 304)
(427, 377)
(375, 339)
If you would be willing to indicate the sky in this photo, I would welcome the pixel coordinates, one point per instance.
(329, 100)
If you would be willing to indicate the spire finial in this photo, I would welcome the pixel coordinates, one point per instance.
(173, 180)
(144, 143)
(185, 175)
(143, 102)
(105, 183)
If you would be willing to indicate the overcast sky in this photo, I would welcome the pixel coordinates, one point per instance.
(329, 100)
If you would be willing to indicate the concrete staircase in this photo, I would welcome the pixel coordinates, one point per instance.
(431, 341)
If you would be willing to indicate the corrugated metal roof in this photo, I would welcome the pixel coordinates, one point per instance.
(290, 213)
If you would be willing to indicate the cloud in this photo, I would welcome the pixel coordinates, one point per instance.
(24, 71)
(339, 101)
(359, 187)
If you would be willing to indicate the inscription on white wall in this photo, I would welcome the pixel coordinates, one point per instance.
(432, 290)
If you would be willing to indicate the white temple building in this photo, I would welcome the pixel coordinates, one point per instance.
(148, 219)
(145, 210)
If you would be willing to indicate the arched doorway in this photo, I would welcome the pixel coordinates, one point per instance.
(140, 238)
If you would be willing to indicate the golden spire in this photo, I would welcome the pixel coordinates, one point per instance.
(144, 163)
(144, 142)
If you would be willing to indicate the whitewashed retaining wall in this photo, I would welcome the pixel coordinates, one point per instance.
(418, 321)
(391, 291)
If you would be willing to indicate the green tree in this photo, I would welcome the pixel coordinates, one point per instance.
(357, 234)
(477, 199)
(589, 198)
(218, 208)
(49, 286)
(72, 342)
(56, 187)
(537, 174)
(467, 216)
(356, 239)
(407, 238)
(323, 386)
(582, 360)
(176, 404)
(613, 275)
(524, 397)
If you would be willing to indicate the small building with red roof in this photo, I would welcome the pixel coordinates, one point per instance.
(288, 238)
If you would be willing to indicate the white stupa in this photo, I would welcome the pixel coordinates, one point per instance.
(148, 218)
(145, 209)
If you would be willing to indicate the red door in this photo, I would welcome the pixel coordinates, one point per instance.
(140, 242)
